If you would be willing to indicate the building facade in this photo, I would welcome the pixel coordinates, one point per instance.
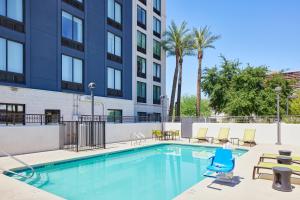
(51, 50)
(149, 72)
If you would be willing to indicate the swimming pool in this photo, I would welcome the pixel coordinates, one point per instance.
(156, 172)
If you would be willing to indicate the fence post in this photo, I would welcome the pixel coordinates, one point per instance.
(104, 145)
(77, 134)
(41, 117)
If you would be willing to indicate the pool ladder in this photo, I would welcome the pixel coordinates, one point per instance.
(19, 161)
(137, 138)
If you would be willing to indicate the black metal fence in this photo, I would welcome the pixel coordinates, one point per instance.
(23, 119)
(83, 135)
(121, 119)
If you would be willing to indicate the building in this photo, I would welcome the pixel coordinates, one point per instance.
(148, 80)
(295, 77)
(51, 50)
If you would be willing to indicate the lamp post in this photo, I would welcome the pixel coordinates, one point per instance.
(162, 98)
(278, 90)
(294, 96)
(92, 86)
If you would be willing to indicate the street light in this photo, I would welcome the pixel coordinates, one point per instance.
(278, 90)
(294, 96)
(162, 98)
(92, 86)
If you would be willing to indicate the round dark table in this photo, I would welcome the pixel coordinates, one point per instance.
(285, 152)
(284, 160)
(282, 179)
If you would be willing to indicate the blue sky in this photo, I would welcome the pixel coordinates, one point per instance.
(259, 32)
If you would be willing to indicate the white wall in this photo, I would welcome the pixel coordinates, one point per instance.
(28, 139)
(36, 101)
(122, 132)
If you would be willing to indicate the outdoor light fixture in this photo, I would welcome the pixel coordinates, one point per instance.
(294, 96)
(278, 90)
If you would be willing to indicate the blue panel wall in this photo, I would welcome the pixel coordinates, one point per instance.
(43, 47)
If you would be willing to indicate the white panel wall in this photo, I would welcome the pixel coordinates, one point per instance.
(28, 139)
(36, 101)
(122, 132)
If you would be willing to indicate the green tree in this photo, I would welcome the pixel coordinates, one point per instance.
(172, 41)
(295, 105)
(188, 106)
(186, 49)
(203, 39)
(245, 91)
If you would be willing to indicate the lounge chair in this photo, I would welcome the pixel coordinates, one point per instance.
(157, 134)
(223, 135)
(222, 162)
(268, 165)
(201, 135)
(295, 159)
(248, 138)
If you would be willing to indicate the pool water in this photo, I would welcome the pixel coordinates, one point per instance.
(158, 172)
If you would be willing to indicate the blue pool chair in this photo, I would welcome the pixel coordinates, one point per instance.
(222, 162)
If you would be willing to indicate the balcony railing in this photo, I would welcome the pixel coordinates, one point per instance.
(12, 77)
(12, 24)
(23, 119)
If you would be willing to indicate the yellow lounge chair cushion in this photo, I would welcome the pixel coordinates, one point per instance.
(249, 135)
(295, 168)
(223, 134)
(274, 156)
(202, 133)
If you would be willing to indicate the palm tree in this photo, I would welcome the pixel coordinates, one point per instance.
(186, 49)
(171, 43)
(203, 39)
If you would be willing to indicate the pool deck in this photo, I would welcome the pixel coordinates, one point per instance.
(245, 188)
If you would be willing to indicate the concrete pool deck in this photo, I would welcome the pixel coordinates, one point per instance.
(246, 188)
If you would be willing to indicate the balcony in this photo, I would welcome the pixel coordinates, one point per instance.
(156, 11)
(113, 92)
(72, 44)
(141, 49)
(156, 34)
(12, 77)
(141, 99)
(12, 24)
(75, 4)
(141, 74)
(156, 79)
(72, 86)
(114, 24)
(143, 26)
(143, 2)
(114, 58)
(157, 57)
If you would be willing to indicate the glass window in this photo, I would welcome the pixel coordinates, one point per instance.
(2, 7)
(156, 94)
(77, 29)
(141, 65)
(12, 9)
(157, 4)
(72, 69)
(156, 70)
(114, 79)
(141, 89)
(156, 25)
(114, 44)
(11, 56)
(114, 10)
(141, 40)
(77, 70)
(14, 57)
(141, 16)
(156, 48)
(72, 27)
(2, 54)
(114, 116)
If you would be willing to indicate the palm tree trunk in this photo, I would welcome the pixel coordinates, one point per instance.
(177, 109)
(175, 77)
(200, 56)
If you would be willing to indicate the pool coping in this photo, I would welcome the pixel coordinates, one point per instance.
(96, 153)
